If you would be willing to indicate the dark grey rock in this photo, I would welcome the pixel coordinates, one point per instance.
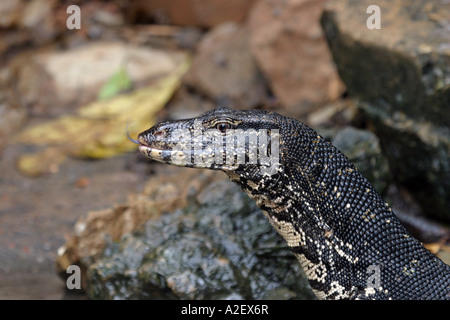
(401, 75)
(219, 247)
(364, 150)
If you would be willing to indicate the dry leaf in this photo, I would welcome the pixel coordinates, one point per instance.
(99, 129)
(45, 161)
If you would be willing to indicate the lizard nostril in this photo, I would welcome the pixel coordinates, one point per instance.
(159, 133)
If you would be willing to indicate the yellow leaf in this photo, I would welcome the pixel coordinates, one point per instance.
(99, 129)
(46, 161)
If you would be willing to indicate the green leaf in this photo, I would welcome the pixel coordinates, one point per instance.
(118, 83)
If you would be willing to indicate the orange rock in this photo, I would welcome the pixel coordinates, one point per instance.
(224, 68)
(288, 43)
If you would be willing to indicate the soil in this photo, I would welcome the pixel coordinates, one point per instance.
(37, 215)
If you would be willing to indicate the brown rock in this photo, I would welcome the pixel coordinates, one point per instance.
(186, 104)
(224, 68)
(289, 46)
(10, 12)
(25, 23)
(38, 19)
(204, 13)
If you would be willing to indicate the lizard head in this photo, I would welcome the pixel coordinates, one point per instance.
(238, 142)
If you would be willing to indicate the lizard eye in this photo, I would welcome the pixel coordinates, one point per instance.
(223, 126)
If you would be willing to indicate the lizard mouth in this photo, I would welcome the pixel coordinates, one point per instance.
(150, 151)
(155, 153)
(158, 153)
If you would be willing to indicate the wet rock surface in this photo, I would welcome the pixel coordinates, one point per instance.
(363, 148)
(219, 247)
(96, 228)
(405, 88)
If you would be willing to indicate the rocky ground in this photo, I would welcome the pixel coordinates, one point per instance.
(381, 96)
(37, 217)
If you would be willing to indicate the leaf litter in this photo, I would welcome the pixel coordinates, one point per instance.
(99, 129)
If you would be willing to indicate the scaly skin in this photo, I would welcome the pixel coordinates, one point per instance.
(347, 239)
